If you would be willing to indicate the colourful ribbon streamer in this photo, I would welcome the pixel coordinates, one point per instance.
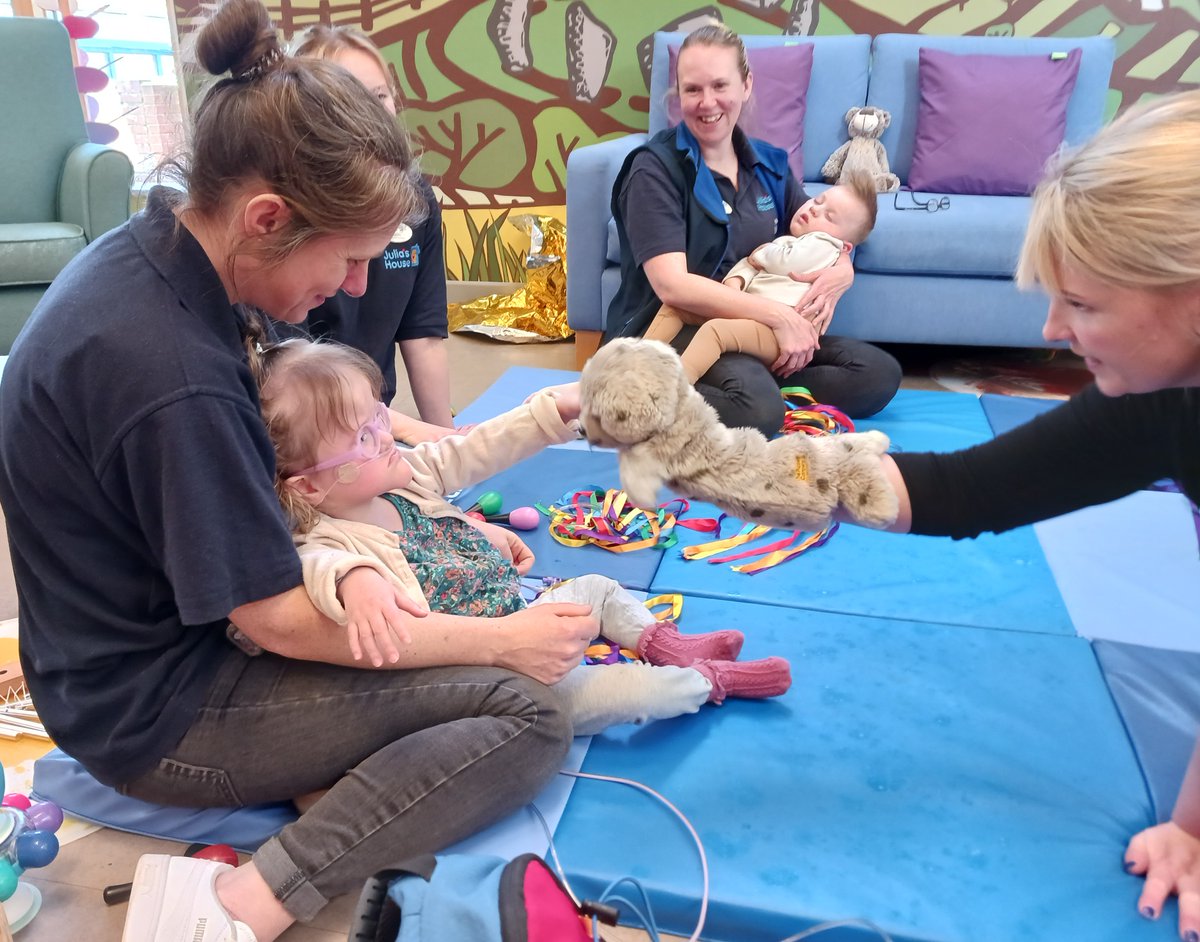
(783, 555)
(805, 414)
(703, 550)
(604, 518)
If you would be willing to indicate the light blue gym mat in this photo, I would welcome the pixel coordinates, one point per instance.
(919, 420)
(996, 581)
(1130, 570)
(947, 784)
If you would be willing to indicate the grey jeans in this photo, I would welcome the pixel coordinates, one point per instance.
(414, 760)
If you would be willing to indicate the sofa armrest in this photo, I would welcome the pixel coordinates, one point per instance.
(95, 189)
(591, 172)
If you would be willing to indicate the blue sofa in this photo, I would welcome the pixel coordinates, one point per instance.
(943, 277)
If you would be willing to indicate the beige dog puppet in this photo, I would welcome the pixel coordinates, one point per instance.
(636, 398)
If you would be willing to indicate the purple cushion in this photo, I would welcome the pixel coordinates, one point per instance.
(988, 124)
(775, 112)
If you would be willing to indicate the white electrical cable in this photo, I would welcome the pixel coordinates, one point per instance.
(648, 921)
(686, 823)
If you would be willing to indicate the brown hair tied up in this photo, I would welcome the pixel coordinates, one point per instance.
(261, 66)
(239, 39)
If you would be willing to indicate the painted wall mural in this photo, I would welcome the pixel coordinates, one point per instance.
(498, 92)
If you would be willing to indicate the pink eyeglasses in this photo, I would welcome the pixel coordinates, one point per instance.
(374, 441)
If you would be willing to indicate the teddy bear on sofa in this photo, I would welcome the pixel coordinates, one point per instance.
(635, 397)
(864, 151)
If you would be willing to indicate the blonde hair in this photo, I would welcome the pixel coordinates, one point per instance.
(326, 42)
(305, 391)
(1122, 207)
(862, 185)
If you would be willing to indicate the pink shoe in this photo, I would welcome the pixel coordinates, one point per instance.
(750, 680)
(662, 644)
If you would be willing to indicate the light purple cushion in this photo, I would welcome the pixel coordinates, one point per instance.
(988, 124)
(775, 112)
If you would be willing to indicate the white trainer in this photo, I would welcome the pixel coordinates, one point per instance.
(174, 899)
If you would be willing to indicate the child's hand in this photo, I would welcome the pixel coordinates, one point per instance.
(374, 610)
(511, 546)
(566, 397)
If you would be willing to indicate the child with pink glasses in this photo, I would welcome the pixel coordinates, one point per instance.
(372, 525)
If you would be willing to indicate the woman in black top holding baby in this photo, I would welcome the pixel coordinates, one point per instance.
(693, 201)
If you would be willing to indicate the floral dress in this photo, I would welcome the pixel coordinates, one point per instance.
(460, 572)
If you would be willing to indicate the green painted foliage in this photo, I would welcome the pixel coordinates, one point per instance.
(559, 131)
(491, 258)
(433, 82)
(481, 139)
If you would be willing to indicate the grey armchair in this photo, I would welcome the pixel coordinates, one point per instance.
(58, 191)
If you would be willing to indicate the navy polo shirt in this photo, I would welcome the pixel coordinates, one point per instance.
(405, 299)
(136, 478)
(654, 201)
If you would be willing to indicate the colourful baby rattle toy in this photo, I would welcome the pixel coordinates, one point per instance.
(27, 840)
(487, 508)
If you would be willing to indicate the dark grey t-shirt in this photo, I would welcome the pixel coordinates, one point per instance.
(136, 478)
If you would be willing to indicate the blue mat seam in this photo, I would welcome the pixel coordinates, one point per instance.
(1137, 756)
(694, 593)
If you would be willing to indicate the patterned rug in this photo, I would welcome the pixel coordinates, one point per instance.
(1042, 374)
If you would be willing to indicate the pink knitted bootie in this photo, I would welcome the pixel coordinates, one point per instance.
(751, 680)
(662, 644)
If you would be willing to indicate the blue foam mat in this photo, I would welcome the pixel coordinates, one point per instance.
(59, 778)
(948, 785)
(543, 479)
(995, 581)
(1007, 412)
(992, 582)
(1158, 694)
(920, 420)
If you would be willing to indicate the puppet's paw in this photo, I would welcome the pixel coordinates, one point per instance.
(641, 482)
(864, 494)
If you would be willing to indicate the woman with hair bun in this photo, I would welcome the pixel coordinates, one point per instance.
(137, 478)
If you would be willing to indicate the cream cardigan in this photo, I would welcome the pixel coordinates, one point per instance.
(334, 547)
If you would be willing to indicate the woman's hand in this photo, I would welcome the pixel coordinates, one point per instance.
(510, 546)
(798, 341)
(546, 641)
(566, 398)
(374, 609)
(1169, 858)
(828, 286)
